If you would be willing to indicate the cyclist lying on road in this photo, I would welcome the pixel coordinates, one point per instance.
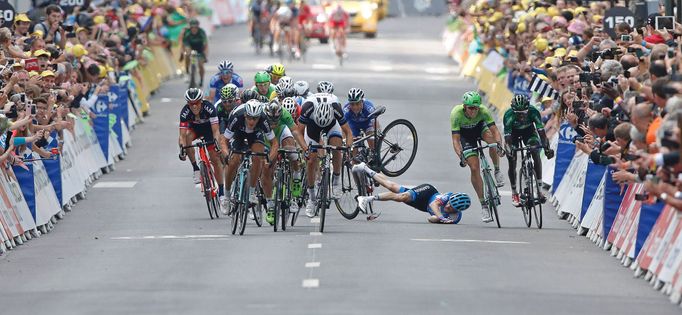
(424, 198)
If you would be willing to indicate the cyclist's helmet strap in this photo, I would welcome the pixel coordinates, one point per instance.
(520, 102)
(471, 98)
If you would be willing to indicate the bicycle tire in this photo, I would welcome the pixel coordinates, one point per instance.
(526, 195)
(206, 187)
(236, 193)
(322, 200)
(257, 208)
(492, 204)
(537, 206)
(244, 209)
(278, 198)
(285, 197)
(348, 199)
(192, 75)
(385, 159)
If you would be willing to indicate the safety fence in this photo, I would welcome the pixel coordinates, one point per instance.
(643, 234)
(37, 193)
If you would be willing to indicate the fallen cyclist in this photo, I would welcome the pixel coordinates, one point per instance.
(444, 208)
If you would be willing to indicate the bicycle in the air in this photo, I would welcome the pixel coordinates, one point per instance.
(209, 185)
(323, 193)
(531, 202)
(239, 193)
(490, 193)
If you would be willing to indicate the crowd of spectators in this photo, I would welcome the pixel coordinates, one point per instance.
(621, 92)
(55, 61)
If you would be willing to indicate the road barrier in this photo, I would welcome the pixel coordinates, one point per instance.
(39, 192)
(643, 235)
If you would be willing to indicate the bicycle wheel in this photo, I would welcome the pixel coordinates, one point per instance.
(397, 147)
(244, 205)
(258, 207)
(526, 195)
(285, 199)
(206, 187)
(236, 194)
(278, 198)
(490, 189)
(347, 203)
(537, 206)
(323, 196)
(192, 75)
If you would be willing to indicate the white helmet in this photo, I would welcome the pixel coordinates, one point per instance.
(253, 108)
(325, 87)
(193, 94)
(323, 114)
(301, 88)
(286, 82)
(225, 65)
(289, 104)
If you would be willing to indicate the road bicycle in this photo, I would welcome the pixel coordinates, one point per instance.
(323, 192)
(337, 47)
(209, 185)
(352, 186)
(490, 193)
(530, 187)
(284, 44)
(239, 192)
(394, 147)
(283, 197)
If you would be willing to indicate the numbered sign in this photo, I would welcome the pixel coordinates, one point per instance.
(615, 16)
(7, 13)
(69, 5)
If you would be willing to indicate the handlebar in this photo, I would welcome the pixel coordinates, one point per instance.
(527, 148)
(480, 148)
(328, 147)
(202, 143)
(251, 153)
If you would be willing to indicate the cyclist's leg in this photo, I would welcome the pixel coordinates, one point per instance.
(201, 60)
(311, 167)
(336, 140)
(532, 138)
(190, 135)
(232, 165)
(217, 169)
(511, 158)
(257, 166)
(188, 56)
(476, 180)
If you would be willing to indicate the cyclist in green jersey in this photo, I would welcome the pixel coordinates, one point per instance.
(524, 122)
(471, 123)
(194, 38)
(284, 127)
(263, 86)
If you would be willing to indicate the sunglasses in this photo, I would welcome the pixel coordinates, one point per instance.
(472, 107)
(251, 118)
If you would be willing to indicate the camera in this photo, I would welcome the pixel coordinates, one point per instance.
(630, 157)
(68, 28)
(626, 38)
(607, 54)
(579, 139)
(641, 197)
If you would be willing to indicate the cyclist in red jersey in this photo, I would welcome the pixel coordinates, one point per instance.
(338, 20)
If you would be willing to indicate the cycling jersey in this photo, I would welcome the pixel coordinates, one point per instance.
(285, 121)
(470, 127)
(224, 114)
(313, 131)
(200, 125)
(360, 121)
(423, 195)
(338, 18)
(195, 41)
(217, 83)
(237, 131)
(513, 121)
(271, 94)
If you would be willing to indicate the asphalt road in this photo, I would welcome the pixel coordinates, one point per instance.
(152, 249)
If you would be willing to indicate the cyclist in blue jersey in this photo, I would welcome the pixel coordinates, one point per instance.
(224, 76)
(357, 111)
(443, 208)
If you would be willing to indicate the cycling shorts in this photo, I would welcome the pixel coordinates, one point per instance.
(337, 24)
(243, 141)
(470, 137)
(420, 196)
(202, 131)
(529, 136)
(356, 128)
(335, 131)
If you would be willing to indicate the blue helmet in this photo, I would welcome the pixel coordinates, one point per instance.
(459, 201)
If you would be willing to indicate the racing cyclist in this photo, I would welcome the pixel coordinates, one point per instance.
(246, 130)
(471, 123)
(276, 71)
(302, 90)
(263, 86)
(338, 20)
(199, 119)
(286, 18)
(229, 100)
(290, 105)
(285, 130)
(224, 76)
(519, 121)
(357, 111)
(322, 113)
(194, 38)
(442, 208)
(325, 87)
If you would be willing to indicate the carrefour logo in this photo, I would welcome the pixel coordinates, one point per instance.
(567, 133)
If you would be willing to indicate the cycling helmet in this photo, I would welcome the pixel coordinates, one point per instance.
(193, 22)
(471, 98)
(279, 90)
(248, 95)
(301, 88)
(253, 108)
(262, 77)
(323, 114)
(273, 110)
(459, 201)
(355, 95)
(229, 92)
(520, 103)
(226, 65)
(193, 95)
(277, 69)
(325, 87)
(286, 83)
(289, 104)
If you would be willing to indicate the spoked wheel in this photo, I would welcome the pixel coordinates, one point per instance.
(492, 196)
(278, 200)
(347, 203)
(322, 200)
(398, 147)
(526, 197)
(244, 205)
(537, 206)
(257, 210)
(234, 213)
(207, 189)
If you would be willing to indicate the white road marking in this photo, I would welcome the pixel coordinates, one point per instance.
(165, 237)
(312, 264)
(315, 220)
(323, 66)
(166, 100)
(381, 68)
(437, 70)
(315, 233)
(465, 241)
(311, 283)
(437, 78)
(314, 245)
(505, 192)
(129, 184)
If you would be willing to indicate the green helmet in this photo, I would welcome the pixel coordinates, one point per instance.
(520, 103)
(471, 98)
(262, 77)
(229, 92)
